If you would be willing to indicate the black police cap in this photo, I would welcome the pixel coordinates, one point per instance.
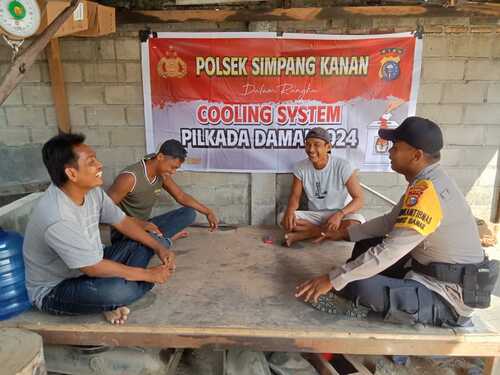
(418, 132)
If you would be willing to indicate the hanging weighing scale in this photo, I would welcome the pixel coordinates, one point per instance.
(19, 19)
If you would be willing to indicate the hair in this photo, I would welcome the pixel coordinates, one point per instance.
(58, 153)
(173, 149)
(432, 158)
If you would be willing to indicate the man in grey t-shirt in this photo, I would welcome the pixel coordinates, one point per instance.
(327, 182)
(67, 269)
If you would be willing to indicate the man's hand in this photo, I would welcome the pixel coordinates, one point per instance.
(158, 274)
(312, 289)
(289, 220)
(213, 221)
(167, 257)
(334, 221)
(152, 228)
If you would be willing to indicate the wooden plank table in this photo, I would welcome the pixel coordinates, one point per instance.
(231, 289)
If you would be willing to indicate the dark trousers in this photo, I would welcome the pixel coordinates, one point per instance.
(90, 295)
(397, 299)
(169, 223)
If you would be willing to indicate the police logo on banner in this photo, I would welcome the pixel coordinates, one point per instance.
(171, 65)
(389, 65)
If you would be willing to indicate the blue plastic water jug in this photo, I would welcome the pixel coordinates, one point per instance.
(13, 294)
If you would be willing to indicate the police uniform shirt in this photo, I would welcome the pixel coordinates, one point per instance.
(433, 222)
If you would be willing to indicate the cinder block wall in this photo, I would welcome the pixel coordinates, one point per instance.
(460, 89)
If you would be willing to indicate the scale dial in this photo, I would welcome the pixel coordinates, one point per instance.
(20, 19)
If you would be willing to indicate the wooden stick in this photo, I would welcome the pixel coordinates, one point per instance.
(58, 88)
(25, 60)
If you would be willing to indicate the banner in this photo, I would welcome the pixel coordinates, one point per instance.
(244, 102)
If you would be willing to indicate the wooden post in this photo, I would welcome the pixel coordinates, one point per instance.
(58, 88)
(490, 365)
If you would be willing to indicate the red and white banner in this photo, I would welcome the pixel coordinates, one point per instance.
(245, 101)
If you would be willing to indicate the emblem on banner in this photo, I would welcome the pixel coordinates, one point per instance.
(389, 65)
(381, 145)
(171, 65)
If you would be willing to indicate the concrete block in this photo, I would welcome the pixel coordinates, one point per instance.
(40, 136)
(106, 116)
(479, 157)
(263, 26)
(14, 98)
(25, 116)
(15, 215)
(131, 136)
(38, 95)
(463, 135)
(88, 94)
(101, 72)
(430, 93)
(494, 93)
(464, 177)
(483, 70)
(301, 26)
(263, 199)
(78, 49)
(232, 26)
(128, 49)
(33, 74)
(484, 212)
(492, 135)
(470, 45)
(401, 22)
(95, 137)
(135, 115)
(487, 177)
(442, 113)
(3, 118)
(72, 72)
(115, 158)
(443, 69)
(451, 157)
(434, 46)
(231, 195)
(460, 21)
(123, 95)
(106, 49)
(469, 92)
(263, 189)
(14, 137)
(496, 50)
(175, 27)
(488, 114)
(129, 72)
(50, 116)
(77, 115)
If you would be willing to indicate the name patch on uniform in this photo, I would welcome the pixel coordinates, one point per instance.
(421, 209)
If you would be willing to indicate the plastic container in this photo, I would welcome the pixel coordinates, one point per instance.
(13, 295)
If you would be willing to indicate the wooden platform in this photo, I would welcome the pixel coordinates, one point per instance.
(231, 289)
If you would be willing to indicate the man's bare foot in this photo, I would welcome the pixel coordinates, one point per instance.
(117, 316)
(179, 235)
(289, 239)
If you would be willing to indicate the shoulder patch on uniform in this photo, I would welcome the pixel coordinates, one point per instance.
(421, 209)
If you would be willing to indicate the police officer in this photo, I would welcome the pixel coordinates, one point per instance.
(391, 268)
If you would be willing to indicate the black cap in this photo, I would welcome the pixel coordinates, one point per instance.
(418, 132)
(173, 148)
(320, 133)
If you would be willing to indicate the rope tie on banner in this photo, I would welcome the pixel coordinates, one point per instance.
(14, 44)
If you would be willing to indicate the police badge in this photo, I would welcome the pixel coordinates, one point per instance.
(389, 65)
(171, 65)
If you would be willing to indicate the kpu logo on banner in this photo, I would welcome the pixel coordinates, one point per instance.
(171, 65)
(389, 65)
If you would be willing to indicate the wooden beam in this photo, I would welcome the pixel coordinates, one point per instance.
(303, 14)
(58, 88)
(23, 62)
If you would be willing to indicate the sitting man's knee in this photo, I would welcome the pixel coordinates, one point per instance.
(122, 292)
(189, 213)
